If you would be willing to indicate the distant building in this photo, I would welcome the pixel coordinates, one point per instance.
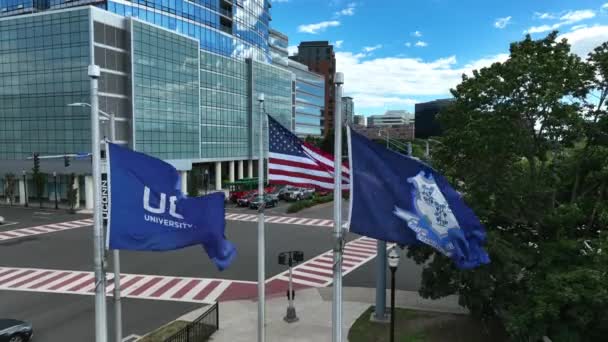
(426, 114)
(359, 120)
(319, 56)
(390, 118)
(278, 43)
(401, 132)
(309, 100)
(348, 109)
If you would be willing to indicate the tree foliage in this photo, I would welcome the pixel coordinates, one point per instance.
(526, 142)
(9, 187)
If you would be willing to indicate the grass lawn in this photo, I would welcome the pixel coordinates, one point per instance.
(423, 326)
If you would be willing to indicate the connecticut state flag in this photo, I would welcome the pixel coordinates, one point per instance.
(148, 212)
(397, 198)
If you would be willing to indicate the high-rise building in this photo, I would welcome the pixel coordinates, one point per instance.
(278, 43)
(319, 56)
(348, 109)
(309, 100)
(359, 120)
(390, 118)
(426, 114)
(182, 79)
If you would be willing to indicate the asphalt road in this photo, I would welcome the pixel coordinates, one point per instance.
(62, 318)
(59, 317)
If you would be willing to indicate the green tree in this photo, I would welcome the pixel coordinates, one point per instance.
(526, 146)
(9, 187)
(39, 179)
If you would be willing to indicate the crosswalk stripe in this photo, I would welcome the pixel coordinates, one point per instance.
(144, 287)
(310, 275)
(65, 283)
(13, 276)
(215, 293)
(202, 294)
(196, 289)
(48, 280)
(315, 269)
(30, 279)
(163, 290)
(185, 288)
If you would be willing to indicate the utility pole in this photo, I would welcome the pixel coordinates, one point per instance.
(101, 328)
(338, 236)
(261, 237)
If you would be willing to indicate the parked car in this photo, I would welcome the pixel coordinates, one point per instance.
(300, 194)
(12, 330)
(276, 192)
(257, 202)
(244, 201)
(284, 192)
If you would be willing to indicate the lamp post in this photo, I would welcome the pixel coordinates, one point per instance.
(115, 253)
(393, 263)
(55, 179)
(261, 238)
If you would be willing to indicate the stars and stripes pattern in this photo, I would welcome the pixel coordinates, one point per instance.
(294, 162)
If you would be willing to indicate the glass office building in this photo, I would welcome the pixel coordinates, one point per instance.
(183, 85)
(309, 101)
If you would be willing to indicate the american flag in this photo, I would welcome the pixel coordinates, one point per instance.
(294, 162)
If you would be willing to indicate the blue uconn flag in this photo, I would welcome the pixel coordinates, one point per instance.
(148, 211)
(399, 199)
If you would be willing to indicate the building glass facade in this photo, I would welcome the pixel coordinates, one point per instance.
(309, 101)
(165, 92)
(276, 84)
(43, 67)
(224, 107)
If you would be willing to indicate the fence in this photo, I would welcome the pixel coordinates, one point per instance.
(201, 329)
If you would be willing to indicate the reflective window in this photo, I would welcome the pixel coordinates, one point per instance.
(43, 68)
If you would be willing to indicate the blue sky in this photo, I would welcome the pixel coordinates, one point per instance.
(395, 53)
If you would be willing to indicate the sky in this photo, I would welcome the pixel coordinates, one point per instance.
(396, 53)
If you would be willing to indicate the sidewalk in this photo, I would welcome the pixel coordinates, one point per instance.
(238, 319)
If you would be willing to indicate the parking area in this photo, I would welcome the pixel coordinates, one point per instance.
(280, 209)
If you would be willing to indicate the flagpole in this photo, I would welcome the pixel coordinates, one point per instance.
(116, 260)
(339, 242)
(261, 241)
(98, 245)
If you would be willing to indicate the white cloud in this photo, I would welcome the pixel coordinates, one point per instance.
(578, 27)
(349, 10)
(372, 48)
(568, 18)
(585, 39)
(397, 80)
(605, 6)
(408, 44)
(420, 43)
(292, 49)
(318, 27)
(544, 15)
(417, 34)
(576, 16)
(501, 23)
(541, 28)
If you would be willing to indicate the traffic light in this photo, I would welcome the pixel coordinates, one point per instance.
(36, 163)
(66, 161)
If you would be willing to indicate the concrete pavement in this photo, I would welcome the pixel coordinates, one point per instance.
(238, 319)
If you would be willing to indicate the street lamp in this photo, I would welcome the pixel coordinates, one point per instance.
(393, 263)
(387, 135)
(115, 253)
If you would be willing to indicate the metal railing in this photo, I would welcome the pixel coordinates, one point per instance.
(200, 329)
